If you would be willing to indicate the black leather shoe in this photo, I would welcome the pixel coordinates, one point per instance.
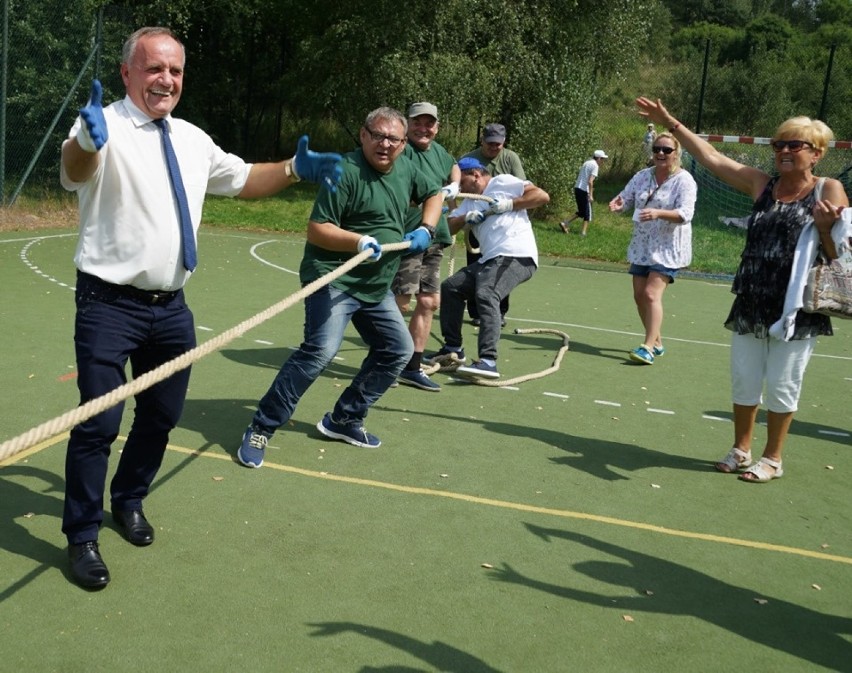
(87, 567)
(134, 526)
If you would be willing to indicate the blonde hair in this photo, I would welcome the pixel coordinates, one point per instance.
(678, 149)
(812, 131)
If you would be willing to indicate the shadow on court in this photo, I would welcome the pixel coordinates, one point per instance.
(654, 585)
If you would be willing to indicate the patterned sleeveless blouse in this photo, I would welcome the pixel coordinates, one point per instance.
(760, 284)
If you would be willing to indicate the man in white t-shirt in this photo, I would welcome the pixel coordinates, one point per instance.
(584, 191)
(509, 257)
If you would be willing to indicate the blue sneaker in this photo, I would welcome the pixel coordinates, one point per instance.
(251, 449)
(658, 351)
(643, 355)
(351, 434)
(418, 379)
(444, 356)
(480, 370)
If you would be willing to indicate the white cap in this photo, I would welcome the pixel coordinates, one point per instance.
(600, 154)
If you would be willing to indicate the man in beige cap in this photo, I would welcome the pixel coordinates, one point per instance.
(419, 273)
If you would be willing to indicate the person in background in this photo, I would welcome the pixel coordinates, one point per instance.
(772, 339)
(663, 198)
(584, 191)
(141, 175)
(509, 258)
(648, 143)
(498, 160)
(367, 211)
(419, 273)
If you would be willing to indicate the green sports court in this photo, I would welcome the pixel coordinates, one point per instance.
(569, 523)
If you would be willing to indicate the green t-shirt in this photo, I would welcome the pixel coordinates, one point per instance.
(371, 204)
(507, 162)
(436, 163)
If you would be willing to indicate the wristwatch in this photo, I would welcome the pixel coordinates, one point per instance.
(430, 228)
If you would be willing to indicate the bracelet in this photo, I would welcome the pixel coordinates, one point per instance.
(675, 127)
(290, 170)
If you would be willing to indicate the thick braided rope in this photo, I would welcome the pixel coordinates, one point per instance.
(93, 407)
(450, 366)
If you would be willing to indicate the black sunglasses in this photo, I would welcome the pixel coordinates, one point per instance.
(793, 145)
(665, 150)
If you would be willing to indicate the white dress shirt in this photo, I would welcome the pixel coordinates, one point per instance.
(129, 224)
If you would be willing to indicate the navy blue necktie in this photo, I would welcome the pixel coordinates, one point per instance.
(190, 257)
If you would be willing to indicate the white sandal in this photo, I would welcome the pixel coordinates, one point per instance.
(760, 474)
(736, 460)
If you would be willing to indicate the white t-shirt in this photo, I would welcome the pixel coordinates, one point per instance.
(588, 170)
(129, 224)
(507, 234)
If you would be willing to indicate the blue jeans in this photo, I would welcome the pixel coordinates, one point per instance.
(327, 313)
(489, 283)
(110, 329)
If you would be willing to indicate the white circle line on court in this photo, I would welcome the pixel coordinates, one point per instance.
(254, 253)
(525, 320)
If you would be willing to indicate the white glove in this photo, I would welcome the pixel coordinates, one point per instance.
(501, 206)
(370, 243)
(475, 217)
(450, 191)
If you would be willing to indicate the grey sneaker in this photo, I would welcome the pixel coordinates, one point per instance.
(252, 447)
(479, 369)
(351, 434)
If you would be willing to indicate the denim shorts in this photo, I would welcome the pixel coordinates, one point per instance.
(641, 270)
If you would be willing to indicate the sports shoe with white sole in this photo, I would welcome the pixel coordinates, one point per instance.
(351, 434)
(417, 379)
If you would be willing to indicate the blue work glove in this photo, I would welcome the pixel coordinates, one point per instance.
(499, 206)
(420, 239)
(450, 191)
(370, 243)
(93, 133)
(475, 217)
(321, 167)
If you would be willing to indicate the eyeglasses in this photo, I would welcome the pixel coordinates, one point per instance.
(393, 141)
(665, 150)
(792, 145)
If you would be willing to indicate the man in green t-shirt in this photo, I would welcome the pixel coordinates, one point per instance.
(367, 210)
(498, 160)
(420, 272)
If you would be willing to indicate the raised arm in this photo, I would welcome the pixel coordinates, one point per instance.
(743, 178)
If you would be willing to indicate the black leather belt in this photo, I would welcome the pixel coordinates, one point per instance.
(150, 297)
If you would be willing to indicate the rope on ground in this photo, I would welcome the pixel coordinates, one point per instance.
(94, 407)
(450, 363)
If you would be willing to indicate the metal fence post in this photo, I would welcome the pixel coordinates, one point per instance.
(822, 112)
(703, 86)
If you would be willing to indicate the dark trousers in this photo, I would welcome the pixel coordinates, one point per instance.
(115, 324)
(472, 308)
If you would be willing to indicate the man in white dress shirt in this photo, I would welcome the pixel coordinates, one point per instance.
(131, 269)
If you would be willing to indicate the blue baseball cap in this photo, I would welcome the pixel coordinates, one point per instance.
(469, 163)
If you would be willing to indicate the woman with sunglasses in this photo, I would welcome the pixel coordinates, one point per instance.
(663, 198)
(784, 205)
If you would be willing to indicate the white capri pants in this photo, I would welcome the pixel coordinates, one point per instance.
(780, 364)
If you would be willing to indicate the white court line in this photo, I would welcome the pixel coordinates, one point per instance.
(257, 246)
(607, 403)
(660, 411)
(715, 418)
(255, 255)
(262, 342)
(564, 397)
(833, 433)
